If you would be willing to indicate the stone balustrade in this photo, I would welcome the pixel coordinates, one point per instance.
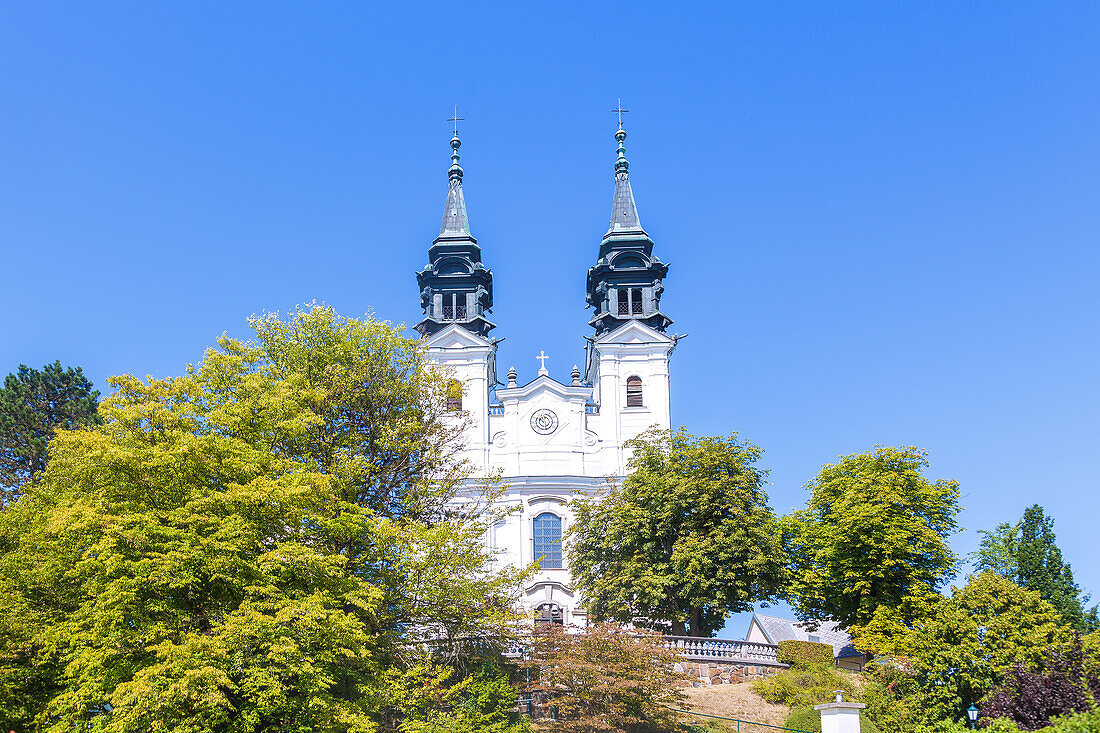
(719, 650)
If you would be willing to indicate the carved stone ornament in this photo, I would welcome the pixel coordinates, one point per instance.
(544, 421)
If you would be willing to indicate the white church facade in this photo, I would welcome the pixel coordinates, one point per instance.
(550, 441)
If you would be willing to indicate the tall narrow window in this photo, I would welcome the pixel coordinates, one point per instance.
(547, 534)
(448, 306)
(634, 392)
(636, 301)
(460, 306)
(624, 301)
(454, 396)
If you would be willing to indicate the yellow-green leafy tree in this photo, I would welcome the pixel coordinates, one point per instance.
(961, 652)
(687, 539)
(871, 547)
(268, 542)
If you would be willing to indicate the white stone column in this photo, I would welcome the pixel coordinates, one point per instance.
(840, 717)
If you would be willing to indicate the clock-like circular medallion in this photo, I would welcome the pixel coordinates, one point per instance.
(544, 421)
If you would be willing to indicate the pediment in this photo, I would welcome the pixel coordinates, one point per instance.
(543, 585)
(545, 386)
(455, 336)
(634, 332)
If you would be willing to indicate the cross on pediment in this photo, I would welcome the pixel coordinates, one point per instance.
(542, 357)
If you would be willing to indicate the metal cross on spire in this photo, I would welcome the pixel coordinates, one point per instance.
(456, 119)
(542, 357)
(618, 110)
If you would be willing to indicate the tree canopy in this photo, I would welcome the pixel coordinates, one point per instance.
(34, 405)
(687, 539)
(874, 536)
(1027, 554)
(965, 648)
(262, 543)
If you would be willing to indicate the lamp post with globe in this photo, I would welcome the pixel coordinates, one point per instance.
(972, 713)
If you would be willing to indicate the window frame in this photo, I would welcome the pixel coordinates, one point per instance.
(542, 550)
(454, 401)
(636, 397)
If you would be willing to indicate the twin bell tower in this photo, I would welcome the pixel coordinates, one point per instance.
(550, 441)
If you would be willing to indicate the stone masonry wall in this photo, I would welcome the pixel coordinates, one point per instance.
(702, 674)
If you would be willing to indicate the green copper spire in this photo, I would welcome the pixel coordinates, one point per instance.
(455, 287)
(624, 212)
(455, 220)
(626, 282)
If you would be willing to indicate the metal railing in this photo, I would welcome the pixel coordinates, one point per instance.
(739, 722)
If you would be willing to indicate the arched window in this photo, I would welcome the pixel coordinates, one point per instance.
(550, 613)
(624, 301)
(454, 396)
(636, 301)
(634, 392)
(547, 535)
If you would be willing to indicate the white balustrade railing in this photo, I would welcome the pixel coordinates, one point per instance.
(693, 648)
(698, 648)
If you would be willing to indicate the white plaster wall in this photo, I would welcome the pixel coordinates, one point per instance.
(544, 472)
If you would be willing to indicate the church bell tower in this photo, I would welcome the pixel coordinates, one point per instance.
(626, 282)
(456, 293)
(455, 287)
(627, 360)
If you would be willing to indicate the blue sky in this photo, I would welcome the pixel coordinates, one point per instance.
(881, 219)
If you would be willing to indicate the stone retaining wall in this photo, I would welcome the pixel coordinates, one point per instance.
(702, 674)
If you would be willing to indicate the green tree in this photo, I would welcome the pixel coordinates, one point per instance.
(256, 545)
(687, 539)
(34, 405)
(874, 536)
(1027, 554)
(965, 648)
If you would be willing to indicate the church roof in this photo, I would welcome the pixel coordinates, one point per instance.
(455, 287)
(624, 212)
(455, 220)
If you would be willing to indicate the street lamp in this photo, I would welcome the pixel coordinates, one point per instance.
(972, 713)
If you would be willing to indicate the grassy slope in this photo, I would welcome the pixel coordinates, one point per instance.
(734, 701)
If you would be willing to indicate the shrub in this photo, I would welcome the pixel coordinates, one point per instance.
(606, 679)
(1082, 723)
(803, 653)
(807, 719)
(805, 686)
(1032, 698)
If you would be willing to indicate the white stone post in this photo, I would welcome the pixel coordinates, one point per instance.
(840, 717)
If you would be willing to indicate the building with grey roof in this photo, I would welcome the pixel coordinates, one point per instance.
(773, 629)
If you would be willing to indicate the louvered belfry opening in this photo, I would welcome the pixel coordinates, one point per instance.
(634, 392)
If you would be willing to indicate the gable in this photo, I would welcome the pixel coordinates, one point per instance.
(634, 332)
(455, 336)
